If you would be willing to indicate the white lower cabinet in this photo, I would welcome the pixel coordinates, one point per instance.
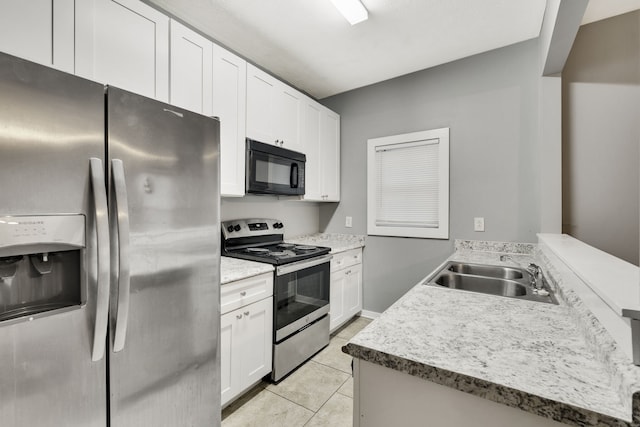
(245, 334)
(346, 287)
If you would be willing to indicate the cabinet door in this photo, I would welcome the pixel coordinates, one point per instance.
(336, 300)
(311, 147)
(39, 30)
(289, 119)
(124, 43)
(191, 70)
(229, 361)
(353, 290)
(330, 155)
(256, 330)
(230, 104)
(262, 95)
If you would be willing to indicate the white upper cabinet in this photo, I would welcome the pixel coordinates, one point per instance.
(330, 155)
(321, 144)
(274, 110)
(39, 30)
(210, 80)
(289, 119)
(229, 104)
(191, 81)
(261, 105)
(124, 43)
(312, 115)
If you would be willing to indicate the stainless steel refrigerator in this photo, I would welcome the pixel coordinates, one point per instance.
(109, 256)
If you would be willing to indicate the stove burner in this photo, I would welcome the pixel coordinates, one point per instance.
(257, 250)
(305, 248)
(274, 253)
(286, 245)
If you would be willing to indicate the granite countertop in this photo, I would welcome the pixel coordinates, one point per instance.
(232, 269)
(524, 354)
(337, 242)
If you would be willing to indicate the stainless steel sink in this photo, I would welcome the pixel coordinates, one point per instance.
(485, 285)
(485, 270)
(512, 282)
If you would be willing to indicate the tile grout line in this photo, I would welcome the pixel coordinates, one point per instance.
(309, 409)
(323, 405)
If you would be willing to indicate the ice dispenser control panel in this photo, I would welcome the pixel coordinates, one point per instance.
(40, 266)
(45, 233)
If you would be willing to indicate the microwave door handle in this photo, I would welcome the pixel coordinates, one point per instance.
(293, 177)
(124, 266)
(102, 241)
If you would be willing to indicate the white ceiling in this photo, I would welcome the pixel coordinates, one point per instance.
(310, 45)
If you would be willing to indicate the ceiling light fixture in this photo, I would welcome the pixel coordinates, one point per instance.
(352, 10)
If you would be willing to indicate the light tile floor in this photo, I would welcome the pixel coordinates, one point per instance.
(319, 393)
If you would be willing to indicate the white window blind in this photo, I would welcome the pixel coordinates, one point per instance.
(407, 184)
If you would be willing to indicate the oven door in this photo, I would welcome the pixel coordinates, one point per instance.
(274, 170)
(301, 295)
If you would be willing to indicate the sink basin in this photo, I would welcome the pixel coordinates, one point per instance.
(485, 270)
(486, 285)
(511, 282)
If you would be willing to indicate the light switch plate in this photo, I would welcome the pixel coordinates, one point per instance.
(478, 224)
(348, 222)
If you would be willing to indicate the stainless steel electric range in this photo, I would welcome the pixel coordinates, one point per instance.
(301, 288)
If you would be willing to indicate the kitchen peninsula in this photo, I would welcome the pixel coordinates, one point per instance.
(462, 358)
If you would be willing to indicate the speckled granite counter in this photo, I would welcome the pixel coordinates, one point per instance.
(537, 357)
(337, 242)
(232, 269)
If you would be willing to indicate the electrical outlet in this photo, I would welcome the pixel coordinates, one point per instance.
(478, 224)
(348, 222)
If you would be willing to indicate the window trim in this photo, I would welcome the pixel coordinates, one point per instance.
(440, 232)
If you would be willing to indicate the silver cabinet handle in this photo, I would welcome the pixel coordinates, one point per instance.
(348, 272)
(243, 293)
(102, 232)
(238, 316)
(246, 313)
(124, 270)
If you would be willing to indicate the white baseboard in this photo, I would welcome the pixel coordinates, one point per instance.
(369, 314)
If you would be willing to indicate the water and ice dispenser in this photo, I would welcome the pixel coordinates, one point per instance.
(40, 264)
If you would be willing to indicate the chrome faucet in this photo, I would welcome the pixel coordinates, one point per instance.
(535, 272)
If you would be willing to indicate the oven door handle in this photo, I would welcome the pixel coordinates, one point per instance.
(297, 266)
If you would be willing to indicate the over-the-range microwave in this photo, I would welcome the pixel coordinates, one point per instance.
(274, 170)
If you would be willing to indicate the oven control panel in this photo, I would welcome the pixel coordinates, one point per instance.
(251, 227)
(258, 226)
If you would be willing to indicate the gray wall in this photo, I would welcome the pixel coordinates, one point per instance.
(601, 133)
(298, 217)
(490, 103)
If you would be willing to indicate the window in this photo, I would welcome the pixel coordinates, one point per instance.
(408, 185)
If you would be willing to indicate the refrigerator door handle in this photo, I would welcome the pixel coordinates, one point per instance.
(102, 232)
(124, 266)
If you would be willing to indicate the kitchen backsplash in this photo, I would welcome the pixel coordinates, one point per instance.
(298, 217)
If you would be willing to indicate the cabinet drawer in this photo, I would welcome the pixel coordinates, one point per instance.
(346, 259)
(242, 292)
